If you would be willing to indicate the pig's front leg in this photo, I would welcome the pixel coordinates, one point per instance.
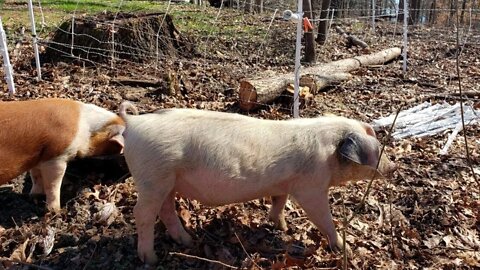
(37, 181)
(315, 203)
(169, 217)
(52, 173)
(277, 215)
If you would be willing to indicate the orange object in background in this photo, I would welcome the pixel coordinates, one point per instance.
(307, 25)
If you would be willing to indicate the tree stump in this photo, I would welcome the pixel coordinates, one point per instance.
(142, 38)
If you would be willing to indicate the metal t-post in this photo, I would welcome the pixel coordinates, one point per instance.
(405, 35)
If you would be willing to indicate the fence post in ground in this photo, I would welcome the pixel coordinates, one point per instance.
(405, 35)
(373, 16)
(34, 39)
(6, 60)
(298, 47)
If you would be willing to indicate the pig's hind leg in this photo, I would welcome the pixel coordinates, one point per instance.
(151, 195)
(52, 173)
(169, 217)
(37, 181)
(277, 215)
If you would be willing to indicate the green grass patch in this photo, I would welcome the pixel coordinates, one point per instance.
(203, 22)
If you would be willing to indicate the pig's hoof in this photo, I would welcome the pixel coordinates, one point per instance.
(149, 258)
(186, 240)
(338, 248)
(282, 225)
(55, 208)
(38, 197)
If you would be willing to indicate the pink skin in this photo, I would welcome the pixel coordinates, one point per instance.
(277, 214)
(219, 158)
(54, 170)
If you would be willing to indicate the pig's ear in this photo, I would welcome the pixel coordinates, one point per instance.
(118, 139)
(361, 149)
(116, 136)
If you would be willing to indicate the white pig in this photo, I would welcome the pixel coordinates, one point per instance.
(43, 135)
(222, 158)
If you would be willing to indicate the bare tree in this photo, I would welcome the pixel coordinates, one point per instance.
(464, 5)
(453, 8)
(401, 12)
(323, 22)
(414, 14)
(308, 35)
(432, 15)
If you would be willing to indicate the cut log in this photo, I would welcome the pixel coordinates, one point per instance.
(263, 90)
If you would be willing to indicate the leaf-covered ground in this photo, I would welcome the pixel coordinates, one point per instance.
(426, 216)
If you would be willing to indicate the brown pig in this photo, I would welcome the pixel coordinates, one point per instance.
(43, 135)
(222, 158)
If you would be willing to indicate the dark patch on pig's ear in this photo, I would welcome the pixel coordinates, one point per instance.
(358, 148)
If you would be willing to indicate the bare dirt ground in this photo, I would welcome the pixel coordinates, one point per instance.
(427, 216)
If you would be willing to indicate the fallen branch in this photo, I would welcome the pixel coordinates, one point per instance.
(351, 39)
(203, 259)
(136, 82)
(245, 251)
(26, 264)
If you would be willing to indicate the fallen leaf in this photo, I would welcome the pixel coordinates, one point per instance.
(432, 241)
(185, 215)
(19, 253)
(107, 214)
(48, 240)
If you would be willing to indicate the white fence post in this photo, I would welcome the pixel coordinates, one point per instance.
(6, 60)
(405, 35)
(373, 16)
(34, 39)
(298, 46)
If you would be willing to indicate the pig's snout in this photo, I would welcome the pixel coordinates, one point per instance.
(386, 166)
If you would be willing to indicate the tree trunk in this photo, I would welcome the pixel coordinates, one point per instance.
(323, 23)
(462, 14)
(401, 12)
(414, 8)
(432, 17)
(453, 6)
(258, 6)
(308, 35)
(248, 8)
(263, 90)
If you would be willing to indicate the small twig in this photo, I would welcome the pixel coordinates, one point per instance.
(30, 265)
(467, 150)
(203, 259)
(90, 259)
(344, 235)
(455, 248)
(408, 183)
(244, 250)
(391, 223)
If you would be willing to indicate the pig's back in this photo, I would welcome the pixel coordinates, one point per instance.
(237, 145)
(34, 131)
